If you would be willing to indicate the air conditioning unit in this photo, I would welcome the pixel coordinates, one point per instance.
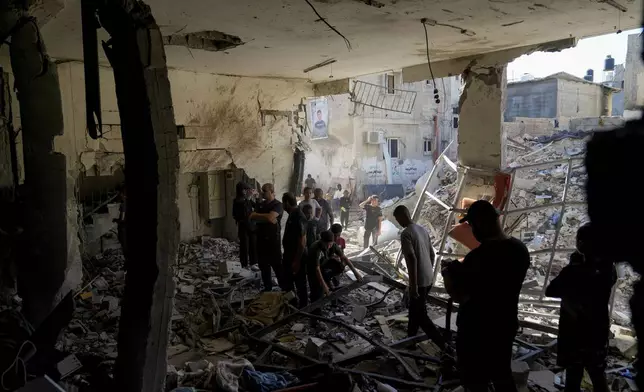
(374, 137)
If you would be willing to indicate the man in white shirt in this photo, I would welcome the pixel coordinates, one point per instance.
(419, 255)
(317, 209)
(336, 198)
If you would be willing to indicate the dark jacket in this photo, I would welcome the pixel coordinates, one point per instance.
(242, 208)
(584, 323)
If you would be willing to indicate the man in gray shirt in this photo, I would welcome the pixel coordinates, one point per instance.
(419, 255)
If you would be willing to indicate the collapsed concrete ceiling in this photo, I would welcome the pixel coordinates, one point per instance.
(282, 38)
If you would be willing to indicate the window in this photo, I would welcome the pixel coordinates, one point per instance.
(390, 82)
(394, 148)
(456, 110)
(181, 132)
(427, 147)
(455, 123)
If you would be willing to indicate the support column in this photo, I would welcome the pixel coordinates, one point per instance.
(150, 144)
(480, 135)
(49, 264)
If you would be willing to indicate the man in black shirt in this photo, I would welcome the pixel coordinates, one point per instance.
(584, 287)
(326, 218)
(294, 242)
(373, 219)
(345, 205)
(487, 285)
(268, 216)
(242, 208)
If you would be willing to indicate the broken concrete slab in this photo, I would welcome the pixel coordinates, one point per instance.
(520, 374)
(359, 313)
(545, 379)
(314, 347)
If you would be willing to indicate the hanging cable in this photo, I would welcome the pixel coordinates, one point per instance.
(429, 62)
(346, 41)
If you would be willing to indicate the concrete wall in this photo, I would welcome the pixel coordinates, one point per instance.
(634, 74)
(576, 99)
(533, 127)
(537, 99)
(344, 158)
(618, 96)
(223, 127)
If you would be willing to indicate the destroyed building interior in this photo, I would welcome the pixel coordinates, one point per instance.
(129, 130)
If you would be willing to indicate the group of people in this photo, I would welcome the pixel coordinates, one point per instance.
(312, 257)
(486, 283)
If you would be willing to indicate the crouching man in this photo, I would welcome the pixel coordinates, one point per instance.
(325, 261)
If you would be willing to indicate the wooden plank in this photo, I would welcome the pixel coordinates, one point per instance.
(384, 326)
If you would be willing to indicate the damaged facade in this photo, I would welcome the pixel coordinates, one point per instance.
(360, 135)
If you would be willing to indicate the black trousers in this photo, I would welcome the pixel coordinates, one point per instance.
(295, 281)
(418, 318)
(247, 246)
(370, 233)
(344, 219)
(485, 357)
(269, 255)
(575, 373)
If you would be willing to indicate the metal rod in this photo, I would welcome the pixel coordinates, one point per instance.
(549, 163)
(318, 304)
(448, 225)
(545, 206)
(507, 202)
(558, 229)
(437, 200)
(412, 373)
(421, 197)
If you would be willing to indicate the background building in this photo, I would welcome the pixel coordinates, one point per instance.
(380, 144)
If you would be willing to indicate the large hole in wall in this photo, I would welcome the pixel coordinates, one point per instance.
(210, 40)
(95, 192)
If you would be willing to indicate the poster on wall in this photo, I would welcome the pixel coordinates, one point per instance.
(319, 119)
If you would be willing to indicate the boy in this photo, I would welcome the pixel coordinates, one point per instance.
(336, 229)
(345, 205)
(584, 287)
(311, 226)
(325, 261)
(373, 219)
(317, 210)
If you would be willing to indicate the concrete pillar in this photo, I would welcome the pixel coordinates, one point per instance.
(607, 102)
(480, 135)
(50, 261)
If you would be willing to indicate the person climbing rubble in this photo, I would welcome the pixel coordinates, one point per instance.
(242, 209)
(487, 284)
(584, 287)
(294, 243)
(325, 261)
(416, 246)
(268, 216)
(373, 219)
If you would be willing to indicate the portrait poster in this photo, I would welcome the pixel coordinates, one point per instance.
(319, 119)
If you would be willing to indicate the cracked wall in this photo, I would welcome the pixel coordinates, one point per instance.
(222, 128)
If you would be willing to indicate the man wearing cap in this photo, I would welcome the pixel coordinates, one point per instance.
(487, 285)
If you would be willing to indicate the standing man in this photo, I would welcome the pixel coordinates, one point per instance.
(345, 205)
(317, 210)
(337, 195)
(584, 287)
(268, 216)
(294, 242)
(487, 285)
(373, 219)
(242, 208)
(326, 217)
(309, 183)
(416, 246)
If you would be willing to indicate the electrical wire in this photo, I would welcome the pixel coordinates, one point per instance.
(346, 41)
(429, 62)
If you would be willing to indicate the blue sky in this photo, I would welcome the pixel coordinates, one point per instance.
(589, 53)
